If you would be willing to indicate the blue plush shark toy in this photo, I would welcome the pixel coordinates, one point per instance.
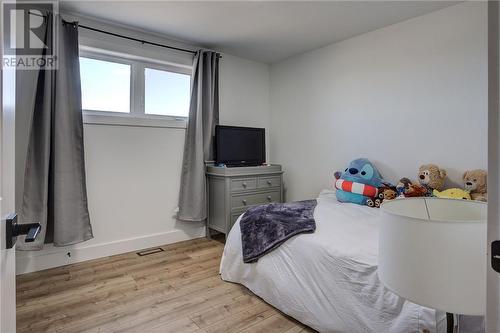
(358, 183)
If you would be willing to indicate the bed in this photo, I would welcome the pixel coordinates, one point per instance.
(328, 280)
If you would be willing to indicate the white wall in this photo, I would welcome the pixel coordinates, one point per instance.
(244, 94)
(404, 95)
(133, 173)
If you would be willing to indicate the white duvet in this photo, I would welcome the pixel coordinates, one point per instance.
(328, 280)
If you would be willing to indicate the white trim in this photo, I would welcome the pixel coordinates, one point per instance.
(88, 51)
(50, 256)
(137, 90)
(126, 119)
(123, 58)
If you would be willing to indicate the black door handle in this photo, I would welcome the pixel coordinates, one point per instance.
(14, 229)
(495, 255)
(31, 230)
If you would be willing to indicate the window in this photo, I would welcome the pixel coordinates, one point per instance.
(123, 90)
(105, 85)
(166, 93)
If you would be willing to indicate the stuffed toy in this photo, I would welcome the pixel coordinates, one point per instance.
(452, 193)
(390, 194)
(386, 193)
(475, 183)
(402, 186)
(358, 183)
(407, 189)
(431, 177)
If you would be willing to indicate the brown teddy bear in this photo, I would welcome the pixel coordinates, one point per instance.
(432, 177)
(475, 183)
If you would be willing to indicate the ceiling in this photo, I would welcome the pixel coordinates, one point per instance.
(265, 31)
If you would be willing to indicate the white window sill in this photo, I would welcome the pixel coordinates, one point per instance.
(118, 119)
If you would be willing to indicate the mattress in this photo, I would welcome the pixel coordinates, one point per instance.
(328, 280)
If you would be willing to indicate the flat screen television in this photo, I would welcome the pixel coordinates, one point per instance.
(240, 146)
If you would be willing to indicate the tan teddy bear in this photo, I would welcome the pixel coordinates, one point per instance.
(475, 183)
(432, 177)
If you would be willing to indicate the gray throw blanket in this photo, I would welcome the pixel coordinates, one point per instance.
(264, 228)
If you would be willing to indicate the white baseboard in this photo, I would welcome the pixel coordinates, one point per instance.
(50, 256)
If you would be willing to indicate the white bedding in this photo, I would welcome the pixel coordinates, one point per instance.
(328, 280)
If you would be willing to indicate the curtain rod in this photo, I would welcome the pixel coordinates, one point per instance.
(142, 41)
(135, 39)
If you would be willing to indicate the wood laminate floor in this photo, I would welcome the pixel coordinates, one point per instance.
(177, 290)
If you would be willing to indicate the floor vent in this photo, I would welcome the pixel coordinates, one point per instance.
(149, 251)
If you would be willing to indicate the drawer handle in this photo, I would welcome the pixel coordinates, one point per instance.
(269, 198)
(244, 184)
(244, 202)
(269, 182)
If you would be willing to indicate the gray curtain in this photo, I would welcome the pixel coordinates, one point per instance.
(54, 183)
(198, 147)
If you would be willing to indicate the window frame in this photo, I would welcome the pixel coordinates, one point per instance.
(108, 58)
(137, 115)
(166, 68)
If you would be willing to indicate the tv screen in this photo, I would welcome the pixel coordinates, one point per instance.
(240, 146)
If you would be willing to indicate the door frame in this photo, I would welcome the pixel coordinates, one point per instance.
(493, 278)
(7, 190)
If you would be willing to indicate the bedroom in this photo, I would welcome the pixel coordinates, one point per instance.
(316, 84)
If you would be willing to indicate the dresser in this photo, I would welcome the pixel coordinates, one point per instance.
(231, 191)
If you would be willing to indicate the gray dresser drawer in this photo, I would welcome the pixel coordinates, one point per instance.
(240, 184)
(231, 191)
(266, 182)
(245, 200)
